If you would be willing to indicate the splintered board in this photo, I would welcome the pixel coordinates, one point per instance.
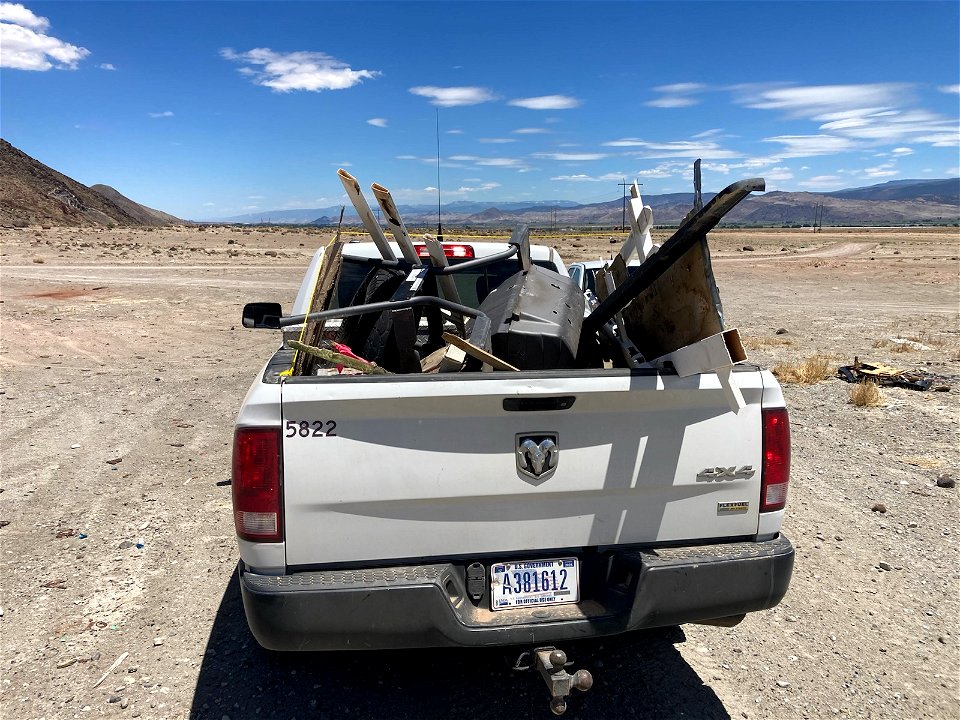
(677, 309)
(304, 364)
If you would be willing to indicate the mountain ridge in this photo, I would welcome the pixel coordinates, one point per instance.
(895, 203)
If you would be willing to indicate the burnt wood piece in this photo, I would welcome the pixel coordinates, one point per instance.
(690, 233)
(304, 364)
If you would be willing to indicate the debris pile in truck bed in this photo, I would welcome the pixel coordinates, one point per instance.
(407, 316)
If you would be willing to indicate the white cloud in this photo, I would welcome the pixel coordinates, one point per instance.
(902, 151)
(531, 131)
(952, 171)
(778, 173)
(455, 131)
(454, 96)
(663, 170)
(547, 102)
(949, 89)
(478, 188)
(609, 177)
(209, 204)
(301, 70)
(25, 47)
(106, 66)
(680, 88)
(880, 171)
(676, 95)
(672, 102)
(811, 145)
(869, 114)
(165, 113)
(674, 149)
(17, 14)
(822, 182)
(377, 122)
(814, 101)
(489, 162)
(570, 157)
(497, 141)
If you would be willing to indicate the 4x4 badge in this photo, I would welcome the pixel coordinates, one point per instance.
(537, 455)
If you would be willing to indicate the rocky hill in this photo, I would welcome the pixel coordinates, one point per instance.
(33, 194)
(146, 216)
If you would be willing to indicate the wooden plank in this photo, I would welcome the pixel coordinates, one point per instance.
(312, 333)
(478, 353)
(395, 223)
(431, 363)
(352, 187)
(454, 360)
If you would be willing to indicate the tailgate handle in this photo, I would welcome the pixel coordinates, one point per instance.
(538, 404)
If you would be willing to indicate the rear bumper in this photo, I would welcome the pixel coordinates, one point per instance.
(427, 605)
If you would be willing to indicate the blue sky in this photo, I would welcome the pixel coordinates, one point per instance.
(211, 109)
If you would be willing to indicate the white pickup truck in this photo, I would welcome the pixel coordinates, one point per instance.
(503, 508)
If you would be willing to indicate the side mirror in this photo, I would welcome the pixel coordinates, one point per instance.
(262, 315)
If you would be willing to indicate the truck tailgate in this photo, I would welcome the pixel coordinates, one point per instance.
(387, 469)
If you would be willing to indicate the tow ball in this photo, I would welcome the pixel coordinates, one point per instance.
(550, 663)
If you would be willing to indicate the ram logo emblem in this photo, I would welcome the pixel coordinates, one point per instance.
(537, 455)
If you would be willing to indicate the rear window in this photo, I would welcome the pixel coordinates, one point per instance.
(592, 276)
(473, 285)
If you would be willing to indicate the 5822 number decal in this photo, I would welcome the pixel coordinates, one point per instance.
(310, 428)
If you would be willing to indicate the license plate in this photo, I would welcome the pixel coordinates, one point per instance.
(534, 582)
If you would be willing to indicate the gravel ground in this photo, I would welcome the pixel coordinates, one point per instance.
(123, 365)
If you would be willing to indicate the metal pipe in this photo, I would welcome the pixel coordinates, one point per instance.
(355, 310)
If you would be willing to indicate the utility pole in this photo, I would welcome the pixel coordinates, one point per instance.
(623, 221)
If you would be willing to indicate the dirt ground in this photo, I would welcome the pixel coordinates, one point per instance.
(123, 364)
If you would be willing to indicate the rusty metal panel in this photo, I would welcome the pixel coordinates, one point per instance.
(680, 307)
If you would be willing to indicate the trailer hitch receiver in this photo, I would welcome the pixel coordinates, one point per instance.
(550, 662)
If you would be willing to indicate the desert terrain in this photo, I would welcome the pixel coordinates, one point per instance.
(123, 363)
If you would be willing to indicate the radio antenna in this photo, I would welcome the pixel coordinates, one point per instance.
(439, 226)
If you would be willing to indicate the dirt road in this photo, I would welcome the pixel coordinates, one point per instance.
(123, 365)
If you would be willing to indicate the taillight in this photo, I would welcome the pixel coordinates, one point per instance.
(775, 474)
(257, 496)
(464, 252)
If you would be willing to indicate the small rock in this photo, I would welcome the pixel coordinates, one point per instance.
(114, 699)
(115, 461)
(4, 523)
(942, 639)
(158, 641)
(781, 331)
(75, 446)
(783, 683)
(946, 480)
(132, 669)
(270, 253)
(66, 663)
(748, 248)
(126, 544)
(879, 508)
(942, 388)
(885, 566)
(124, 703)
